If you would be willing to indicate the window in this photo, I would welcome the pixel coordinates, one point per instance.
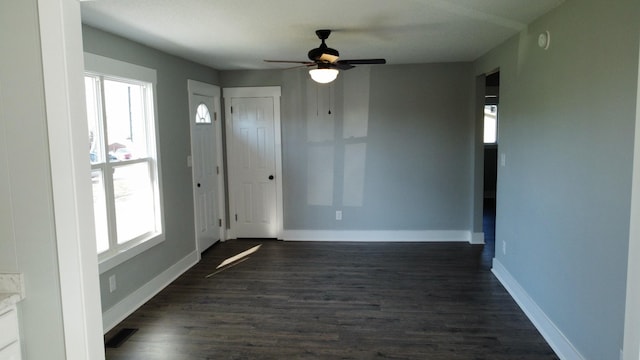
(490, 124)
(202, 115)
(124, 162)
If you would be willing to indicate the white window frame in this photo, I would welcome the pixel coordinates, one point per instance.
(112, 69)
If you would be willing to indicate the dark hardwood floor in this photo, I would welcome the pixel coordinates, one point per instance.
(314, 300)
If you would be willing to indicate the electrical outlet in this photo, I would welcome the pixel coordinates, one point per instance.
(338, 214)
(504, 248)
(112, 283)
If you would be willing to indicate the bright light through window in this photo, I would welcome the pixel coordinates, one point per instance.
(133, 192)
(490, 124)
(126, 124)
(202, 114)
(100, 211)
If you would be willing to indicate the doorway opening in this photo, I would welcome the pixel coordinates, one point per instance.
(491, 106)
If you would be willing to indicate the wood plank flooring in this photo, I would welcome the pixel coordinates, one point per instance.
(321, 300)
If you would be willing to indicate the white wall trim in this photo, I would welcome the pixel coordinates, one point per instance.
(61, 44)
(556, 339)
(125, 307)
(128, 253)
(477, 238)
(378, 235)
(112, 67)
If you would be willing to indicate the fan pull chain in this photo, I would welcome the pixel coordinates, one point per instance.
(317, 100)
(330, 87)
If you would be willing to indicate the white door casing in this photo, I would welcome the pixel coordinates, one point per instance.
(206, 162)
(254, 160)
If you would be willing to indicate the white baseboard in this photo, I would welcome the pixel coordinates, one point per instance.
(125, 307)
(556, 339)
(477, 238)
(378, 235)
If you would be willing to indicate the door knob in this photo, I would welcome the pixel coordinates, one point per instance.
(270, 177)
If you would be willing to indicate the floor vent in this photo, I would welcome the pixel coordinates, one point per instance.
(119, 338)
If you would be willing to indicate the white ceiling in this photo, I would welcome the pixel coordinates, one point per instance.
(239, 34)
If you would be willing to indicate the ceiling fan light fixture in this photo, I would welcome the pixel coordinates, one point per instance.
(323, 76)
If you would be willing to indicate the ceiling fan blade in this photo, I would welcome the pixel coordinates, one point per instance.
(298, 66)
(343, 66)
(308, 63)
(363, 62)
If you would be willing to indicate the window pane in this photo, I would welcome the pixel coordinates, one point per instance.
(93, 120)
(490, 124)
(100, 210)
(202, 114)
(134, 201)
(126, 128)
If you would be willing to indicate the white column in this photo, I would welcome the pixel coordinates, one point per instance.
(63, 69)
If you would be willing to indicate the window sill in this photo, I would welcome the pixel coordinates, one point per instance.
(115, 259)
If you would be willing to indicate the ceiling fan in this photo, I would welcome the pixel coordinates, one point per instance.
(325, 61)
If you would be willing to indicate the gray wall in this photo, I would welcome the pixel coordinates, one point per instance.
(27, 229)
(566, 127)
(174, 133)
(395, 153)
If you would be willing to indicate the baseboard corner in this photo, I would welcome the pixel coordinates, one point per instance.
(549, 331)
(477, 238)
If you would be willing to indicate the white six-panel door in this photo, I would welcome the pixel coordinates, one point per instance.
(253, 144)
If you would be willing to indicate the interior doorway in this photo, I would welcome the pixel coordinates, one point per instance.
(490, 139)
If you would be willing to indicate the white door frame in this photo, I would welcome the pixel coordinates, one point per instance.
(201, 88)
(249, 92)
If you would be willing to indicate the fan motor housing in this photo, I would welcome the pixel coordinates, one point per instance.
(315, 54)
